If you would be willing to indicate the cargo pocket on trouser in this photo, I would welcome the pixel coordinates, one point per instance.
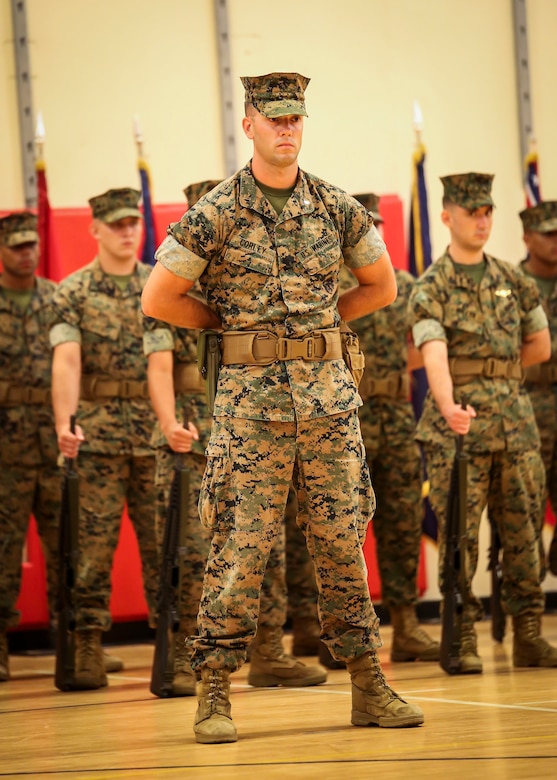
(215, 484)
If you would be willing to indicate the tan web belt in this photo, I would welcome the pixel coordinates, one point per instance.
(261, 347)
(95, 388)
(541, 374)
(187, 379)
(464, 370)
(11, 395)
(393, 386)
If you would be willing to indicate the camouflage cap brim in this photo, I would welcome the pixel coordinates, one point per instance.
(278, 108)
(117, 214)
(21, 237)
(547, 226)
(475, 203)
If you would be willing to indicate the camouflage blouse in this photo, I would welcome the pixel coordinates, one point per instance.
(260, 271)
(488, 320)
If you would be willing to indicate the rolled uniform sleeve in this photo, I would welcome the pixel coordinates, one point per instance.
(367, 251)
(63, 332)
(158, 340)
(179, 260)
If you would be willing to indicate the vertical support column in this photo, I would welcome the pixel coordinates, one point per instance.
(25, 101)
(227, 103)
(522, 76)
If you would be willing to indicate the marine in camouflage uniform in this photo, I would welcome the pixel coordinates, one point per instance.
(394, 459)
(178, 396)
(268, 265)
(100, 374)
(540, 235)
(478, 321)
(31, 478)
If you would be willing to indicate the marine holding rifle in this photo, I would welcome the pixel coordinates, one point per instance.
(99, 373)
(479, 323)
(267, 245)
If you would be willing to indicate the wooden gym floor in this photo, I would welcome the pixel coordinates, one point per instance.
(501, 725)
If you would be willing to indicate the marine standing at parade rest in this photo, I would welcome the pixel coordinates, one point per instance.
(30, 482)
(479, 322)
(184, 426)
(540, 236)
(99, 373)
(267, 246)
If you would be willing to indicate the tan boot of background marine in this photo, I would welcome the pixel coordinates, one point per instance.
(213, 721)
(112, 663)
(270, 665)
(184, 682)
(470, 661)
(529, 648)
(410, 642)
(89, 662)
(4, 661)
(305, 636)
(374, 703)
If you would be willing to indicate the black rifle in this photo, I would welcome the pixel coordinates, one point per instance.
(68, 551)
(498, 620)
(168, 621)
(454, 563)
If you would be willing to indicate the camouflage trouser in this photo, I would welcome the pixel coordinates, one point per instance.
(197, 542)
(300, 575)
(26, 491)
(106, 484)
(396, 473)
(243, 497)
(511, 486)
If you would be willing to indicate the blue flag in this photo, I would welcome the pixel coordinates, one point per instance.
(419, 259)
(149, 241)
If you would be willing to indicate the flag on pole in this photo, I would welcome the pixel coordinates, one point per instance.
(531, 179)
(419, 259)
(48, 260)
(149, 239)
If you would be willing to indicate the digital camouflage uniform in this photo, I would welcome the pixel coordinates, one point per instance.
(260, 272)
(116, 464)
(31, 478)
(505, 472)
(541, 380)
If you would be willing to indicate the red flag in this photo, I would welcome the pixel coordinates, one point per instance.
(48, 262)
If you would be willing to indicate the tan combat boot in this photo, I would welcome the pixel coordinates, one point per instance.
(89, 662)
(470, 661)
(184, 682)
(4, 661)
(213, 721)
(112, 663)
(305, 636)
(529, 648)
(374, 703)
(270, 665)
(410, 642)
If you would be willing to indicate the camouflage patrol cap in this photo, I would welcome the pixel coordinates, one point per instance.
(18, 228)
(371, 202)
(541, 218)
(469, 190)
(276, 94)
(195, 191)
(116, 204)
